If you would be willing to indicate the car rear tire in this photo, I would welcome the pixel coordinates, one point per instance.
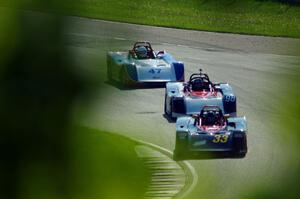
(165, 110)
(165, 105)
(124, 79)
(180, 151)
(170, 115)
(177, 156)
(240, 154)
(109, 72)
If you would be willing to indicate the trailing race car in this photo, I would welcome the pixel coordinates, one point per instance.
(210, 131)
(187, 98)
(143, 65)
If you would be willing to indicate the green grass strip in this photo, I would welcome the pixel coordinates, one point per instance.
(105, 165)
(259, 17)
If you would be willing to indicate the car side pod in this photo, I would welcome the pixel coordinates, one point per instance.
(229, 103)
(181, 143)
(131, 71)
(239, 144)
(178, 105)
(179, 71)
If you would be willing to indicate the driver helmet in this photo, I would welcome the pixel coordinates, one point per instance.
(197, 85)
(211, 117)
(141, 52)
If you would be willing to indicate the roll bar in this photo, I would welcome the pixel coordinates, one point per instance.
(199, 75)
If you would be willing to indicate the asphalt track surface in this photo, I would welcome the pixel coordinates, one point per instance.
(256, 67)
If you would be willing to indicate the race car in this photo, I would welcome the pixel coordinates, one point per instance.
(210, 132)
(143, 65)
(187, 98)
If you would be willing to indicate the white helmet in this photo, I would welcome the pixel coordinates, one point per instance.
(141, 52)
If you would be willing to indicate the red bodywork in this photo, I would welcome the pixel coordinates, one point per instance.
(211, 129)
(218, 125)
(202, 93)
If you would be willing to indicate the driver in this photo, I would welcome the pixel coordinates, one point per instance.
(141, 52)
(210, 118)
(198, 85)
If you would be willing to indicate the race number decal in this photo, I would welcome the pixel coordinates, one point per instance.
(220, 138)
(230, 98)
(155, 71)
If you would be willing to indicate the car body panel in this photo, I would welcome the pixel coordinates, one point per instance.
(229, 138)
(163, 68)
(192, 104)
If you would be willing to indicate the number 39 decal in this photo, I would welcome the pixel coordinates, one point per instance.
(220, 139)
(154, 71)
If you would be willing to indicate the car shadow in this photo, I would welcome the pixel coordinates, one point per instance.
(169, 119)
(120, 86)
(207, 156)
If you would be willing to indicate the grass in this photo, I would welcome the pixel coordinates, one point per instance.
(105, 165)
(100, 165)
(259, 17)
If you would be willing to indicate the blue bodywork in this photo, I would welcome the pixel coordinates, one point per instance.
(162, 68)
(177, 103)
(191, 140)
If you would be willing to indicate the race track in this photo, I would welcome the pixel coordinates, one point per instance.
(254, 66)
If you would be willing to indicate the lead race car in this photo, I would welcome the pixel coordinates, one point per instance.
(210, 131)
(143, 65)
(187, 98)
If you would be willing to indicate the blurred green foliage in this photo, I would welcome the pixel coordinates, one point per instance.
(42, 154)
(104, 166)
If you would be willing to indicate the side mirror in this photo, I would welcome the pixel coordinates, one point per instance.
(160, 53)
(226, 116)
(195, 116)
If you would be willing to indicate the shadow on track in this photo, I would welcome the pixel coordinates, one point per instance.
(120, 86)
(207, 156)
(169, 119)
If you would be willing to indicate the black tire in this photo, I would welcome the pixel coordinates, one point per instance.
(240, 155)
(124, 80)
(180, 151)
(170, 115)
(177, 156)
(109, 72)
(165, 105)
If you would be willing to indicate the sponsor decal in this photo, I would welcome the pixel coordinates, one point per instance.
(182, 136)
(156, 77)
(199, 143)
(238, 135)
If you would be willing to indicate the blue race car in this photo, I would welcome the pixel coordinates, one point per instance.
(143, 65)
(210, 132)
(188, 98)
